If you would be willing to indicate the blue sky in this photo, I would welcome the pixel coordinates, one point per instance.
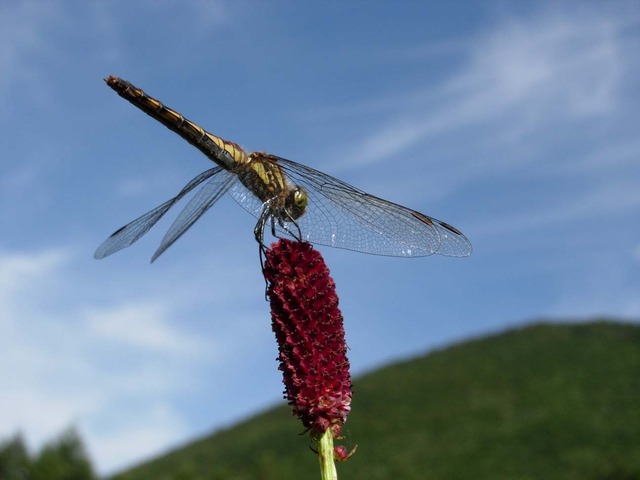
(517, 122)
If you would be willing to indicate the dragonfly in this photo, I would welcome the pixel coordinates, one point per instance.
(291, 199)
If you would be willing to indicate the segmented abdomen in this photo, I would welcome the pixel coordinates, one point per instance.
(212, 146)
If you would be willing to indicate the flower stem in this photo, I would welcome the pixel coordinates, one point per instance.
(325, 455)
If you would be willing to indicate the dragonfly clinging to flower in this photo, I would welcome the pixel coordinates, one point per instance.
(289, 198)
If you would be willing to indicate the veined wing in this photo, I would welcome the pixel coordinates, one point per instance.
(133, 231)
(340, 215)
(197, 206)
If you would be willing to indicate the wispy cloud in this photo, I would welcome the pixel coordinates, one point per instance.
(143, 325)
(522, 76)
(19, 270)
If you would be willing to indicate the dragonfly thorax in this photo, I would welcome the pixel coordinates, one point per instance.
(265, 179)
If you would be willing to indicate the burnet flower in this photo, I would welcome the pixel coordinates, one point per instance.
(309, 330)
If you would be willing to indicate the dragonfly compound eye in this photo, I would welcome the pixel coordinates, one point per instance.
(297, 202)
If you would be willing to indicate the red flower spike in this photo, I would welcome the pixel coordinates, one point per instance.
(308, 327)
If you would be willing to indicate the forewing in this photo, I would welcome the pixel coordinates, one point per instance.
(340, 215)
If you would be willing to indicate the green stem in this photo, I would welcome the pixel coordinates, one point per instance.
(325, 455)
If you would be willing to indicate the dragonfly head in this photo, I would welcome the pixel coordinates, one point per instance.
(297, 201)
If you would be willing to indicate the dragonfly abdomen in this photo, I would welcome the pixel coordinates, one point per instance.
(221, 151)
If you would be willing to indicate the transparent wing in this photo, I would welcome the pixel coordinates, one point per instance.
(132, 232)
(342, 216)
(197, 206)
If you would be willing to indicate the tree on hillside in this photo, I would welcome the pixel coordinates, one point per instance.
(14, 459)
(64, 458)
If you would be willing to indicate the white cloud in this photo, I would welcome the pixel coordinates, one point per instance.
(574, 61)
(66, 363)
(526, 74)
(42, 371)
(42, 412)
(20, 270)
(143, 325)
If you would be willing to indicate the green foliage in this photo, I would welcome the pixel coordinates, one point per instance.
(545, 401)
(61, 459)
(14, 459)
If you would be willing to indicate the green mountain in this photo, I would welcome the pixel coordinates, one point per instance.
(548, 401)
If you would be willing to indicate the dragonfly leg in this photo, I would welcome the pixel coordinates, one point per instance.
(267, 216)
(297, 234)
(263, 258)
(258, 231)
